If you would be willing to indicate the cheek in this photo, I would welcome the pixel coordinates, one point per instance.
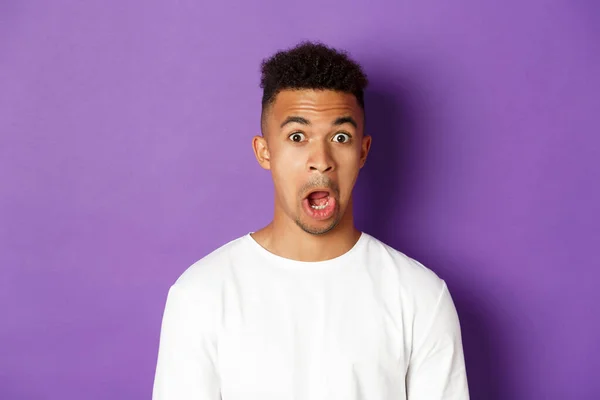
(287, 175)
(289, 160)
(286, 159)
(349, 166)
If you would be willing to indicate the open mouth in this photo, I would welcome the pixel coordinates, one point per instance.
(319, 204)
(318, 200)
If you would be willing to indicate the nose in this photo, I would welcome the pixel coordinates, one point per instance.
(320, 159)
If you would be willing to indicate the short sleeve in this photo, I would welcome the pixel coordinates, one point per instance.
(436, 369)
(185, 368)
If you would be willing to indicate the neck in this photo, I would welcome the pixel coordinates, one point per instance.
(286, 239)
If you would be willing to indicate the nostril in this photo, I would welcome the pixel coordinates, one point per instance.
(321, 168)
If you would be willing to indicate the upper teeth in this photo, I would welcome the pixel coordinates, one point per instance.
(320, 207)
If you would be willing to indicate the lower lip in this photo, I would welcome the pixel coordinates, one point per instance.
(319, 215)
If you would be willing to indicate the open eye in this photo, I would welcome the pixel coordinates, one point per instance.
(297, 137)
(341, 138)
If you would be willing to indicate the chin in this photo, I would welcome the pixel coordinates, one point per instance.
(320, 228)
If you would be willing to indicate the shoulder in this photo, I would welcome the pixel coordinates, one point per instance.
(192, 303)
(208, 273)
(415, 282)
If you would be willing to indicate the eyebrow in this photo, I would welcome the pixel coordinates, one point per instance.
(300, 120)
(345, 120)
(294, 118)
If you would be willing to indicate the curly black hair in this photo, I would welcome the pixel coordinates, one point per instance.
(311, 65)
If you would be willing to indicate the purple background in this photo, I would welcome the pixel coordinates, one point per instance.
(125, 156)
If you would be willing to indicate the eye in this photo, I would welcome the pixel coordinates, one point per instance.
(296, 137)
(341, 137)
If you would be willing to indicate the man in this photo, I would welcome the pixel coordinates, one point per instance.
(309, 307)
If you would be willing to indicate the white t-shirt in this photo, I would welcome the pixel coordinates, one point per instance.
(372, 324)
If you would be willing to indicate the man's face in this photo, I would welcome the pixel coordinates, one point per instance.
(314, 146)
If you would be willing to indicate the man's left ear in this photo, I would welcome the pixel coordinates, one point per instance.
(364, 149)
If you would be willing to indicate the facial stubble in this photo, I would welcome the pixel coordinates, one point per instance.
(321, 181)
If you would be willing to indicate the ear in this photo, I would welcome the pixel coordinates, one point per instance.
(364, 149)
(261, 151)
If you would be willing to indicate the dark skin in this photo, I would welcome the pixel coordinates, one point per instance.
(312, 139)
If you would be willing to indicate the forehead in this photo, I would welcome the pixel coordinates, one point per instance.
(315, 104)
